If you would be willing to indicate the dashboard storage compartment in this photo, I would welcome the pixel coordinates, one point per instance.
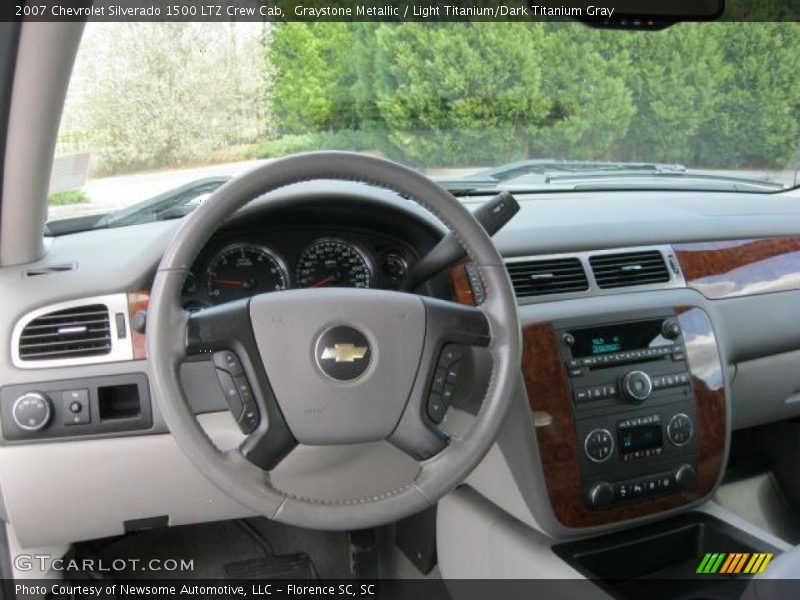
(118, 401)
(672, 551)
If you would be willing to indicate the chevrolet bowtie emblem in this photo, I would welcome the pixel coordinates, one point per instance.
(344, 353)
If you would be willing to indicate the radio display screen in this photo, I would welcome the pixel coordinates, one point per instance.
(639, 437)
(617, 338)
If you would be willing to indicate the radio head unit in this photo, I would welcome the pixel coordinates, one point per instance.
(633, 403)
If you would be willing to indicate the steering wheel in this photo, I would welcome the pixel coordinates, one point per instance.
(334, 366)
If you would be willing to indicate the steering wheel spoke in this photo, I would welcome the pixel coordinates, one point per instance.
(225, 332)
(451, 331)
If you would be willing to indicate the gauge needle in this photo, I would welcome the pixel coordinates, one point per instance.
(235, 282)
(322, 282)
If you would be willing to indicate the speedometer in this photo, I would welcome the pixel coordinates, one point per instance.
(330, 262)
(243, 270)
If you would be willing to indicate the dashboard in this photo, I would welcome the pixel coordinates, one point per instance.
(734, 266)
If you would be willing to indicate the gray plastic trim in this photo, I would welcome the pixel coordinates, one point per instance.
(121, 348)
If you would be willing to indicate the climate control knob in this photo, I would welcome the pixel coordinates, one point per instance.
(598, 445)
(636, 386)
(32, 411)
(685, 476)
(600, 495)
(679, 429)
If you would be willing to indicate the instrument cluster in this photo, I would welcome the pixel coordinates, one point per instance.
(242, 266)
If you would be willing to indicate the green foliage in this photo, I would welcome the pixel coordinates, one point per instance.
(483, 93)
(757, 122)
(68, 197)
(312, 76)
(306, 142)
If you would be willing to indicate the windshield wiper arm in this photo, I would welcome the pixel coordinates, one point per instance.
(547, 166)
(737, 183)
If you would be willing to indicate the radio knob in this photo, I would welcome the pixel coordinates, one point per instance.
(32, 411)
(670, 329)
(600, 495)
(636, 386)
(685, 476)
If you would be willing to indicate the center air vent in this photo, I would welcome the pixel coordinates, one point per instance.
(629, 269)
(550, 276)
(70, 333)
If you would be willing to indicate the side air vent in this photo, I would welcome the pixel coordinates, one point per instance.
(70, 333)
(550, 276)
(629, 269)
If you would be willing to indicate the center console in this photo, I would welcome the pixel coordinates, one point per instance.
(631, 390)
(629, 412)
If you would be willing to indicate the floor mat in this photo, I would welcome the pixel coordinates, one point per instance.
(213, 546)
(291, 567)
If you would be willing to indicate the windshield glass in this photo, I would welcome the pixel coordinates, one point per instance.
(160, 114)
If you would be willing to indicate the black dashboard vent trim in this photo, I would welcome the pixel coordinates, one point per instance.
(628, 269)
(73, 332)
(48, 269)
(544, 277)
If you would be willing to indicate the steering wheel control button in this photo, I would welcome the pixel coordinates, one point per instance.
(436, 408)
(249, 419)
(680, 429)
(228, 361)
(636, 386)
(599, 445)
(451, 354)
(439, 379)
(76, 407)
(343, 353)
(32, 411)
(231, 393)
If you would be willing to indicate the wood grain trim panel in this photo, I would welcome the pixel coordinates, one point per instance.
(138, 301)
(548, 392)
(741, 267)
(459, 282)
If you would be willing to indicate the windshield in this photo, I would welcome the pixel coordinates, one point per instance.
(160, 114)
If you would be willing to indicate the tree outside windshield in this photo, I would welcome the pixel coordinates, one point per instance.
(155, 105)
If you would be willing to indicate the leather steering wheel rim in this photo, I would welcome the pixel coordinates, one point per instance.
(248, 484)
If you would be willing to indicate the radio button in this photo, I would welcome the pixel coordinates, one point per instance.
(598, 445)
(680, 430)
(582, 395)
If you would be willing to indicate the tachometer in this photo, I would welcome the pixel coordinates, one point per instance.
(330, 262)
(243, 270)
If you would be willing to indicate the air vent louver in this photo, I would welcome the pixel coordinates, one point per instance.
(70, 333)
(629, 269)
(550, 276)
